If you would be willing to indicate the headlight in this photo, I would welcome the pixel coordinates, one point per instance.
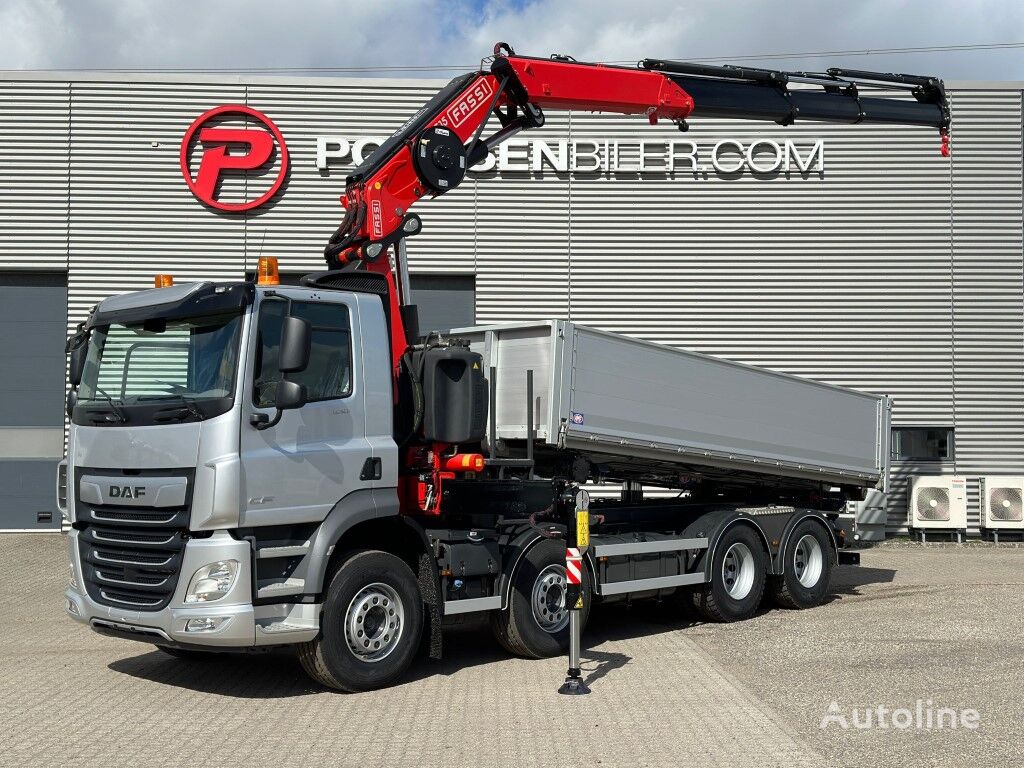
(212, 582)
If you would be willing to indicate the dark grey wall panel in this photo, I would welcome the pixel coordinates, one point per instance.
(28, 490)
(33, 323)
(444, 301)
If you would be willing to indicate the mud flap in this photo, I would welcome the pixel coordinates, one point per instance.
(427, 577)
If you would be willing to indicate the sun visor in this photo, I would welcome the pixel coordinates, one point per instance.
(185, 300)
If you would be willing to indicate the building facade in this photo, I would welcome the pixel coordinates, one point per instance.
(856, 255)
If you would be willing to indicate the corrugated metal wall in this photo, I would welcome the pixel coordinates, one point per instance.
(988, 288)
(34, 174)
(891, 270)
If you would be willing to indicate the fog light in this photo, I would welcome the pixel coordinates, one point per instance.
(72, 608)
(205, 624)
(72, 579)
(212, 582)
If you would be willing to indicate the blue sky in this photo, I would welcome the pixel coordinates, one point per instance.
(197, 34)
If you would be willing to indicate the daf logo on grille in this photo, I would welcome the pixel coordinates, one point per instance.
(126, 491)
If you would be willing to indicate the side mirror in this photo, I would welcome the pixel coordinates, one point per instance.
(290, 394)
(296, 338)
(71, 402)
(76, 364)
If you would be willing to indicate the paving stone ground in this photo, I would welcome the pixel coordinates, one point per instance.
(667, 690)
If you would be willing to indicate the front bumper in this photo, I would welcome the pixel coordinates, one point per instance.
(242, 624)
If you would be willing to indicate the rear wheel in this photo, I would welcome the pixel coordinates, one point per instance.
(536, 623)
(370, 625)
(738, 573)
(807, 567)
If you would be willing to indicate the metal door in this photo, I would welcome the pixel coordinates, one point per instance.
(298, 469)
(33, 327)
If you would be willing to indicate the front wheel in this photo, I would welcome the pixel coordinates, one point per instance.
(738, 572)
(535, 624)
(370, 624)
(807, 567)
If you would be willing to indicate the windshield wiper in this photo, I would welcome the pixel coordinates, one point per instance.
(189, 408)
(116, 413)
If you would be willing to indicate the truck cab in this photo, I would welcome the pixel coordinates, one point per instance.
(196, 480)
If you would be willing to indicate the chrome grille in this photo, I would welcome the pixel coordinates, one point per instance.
(131, 600)
(127, 567)
(139, 516)
(131, 556)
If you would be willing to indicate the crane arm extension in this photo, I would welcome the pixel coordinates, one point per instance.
(431, 153)
(833, 96)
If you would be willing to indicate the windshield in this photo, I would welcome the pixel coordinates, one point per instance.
(159, 371)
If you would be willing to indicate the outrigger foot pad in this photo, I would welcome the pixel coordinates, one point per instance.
(574, 686)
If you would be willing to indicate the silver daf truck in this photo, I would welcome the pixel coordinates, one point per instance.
(238, 476)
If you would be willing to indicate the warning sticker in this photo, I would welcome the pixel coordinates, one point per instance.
(582, 528)
(579, 604)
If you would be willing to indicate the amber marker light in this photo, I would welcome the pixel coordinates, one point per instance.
(266, 271)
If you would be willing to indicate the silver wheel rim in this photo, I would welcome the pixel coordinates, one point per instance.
(374, 622)
(808, 560)
(738, 571)
(548, 599)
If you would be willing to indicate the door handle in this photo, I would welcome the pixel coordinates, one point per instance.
(372, 469)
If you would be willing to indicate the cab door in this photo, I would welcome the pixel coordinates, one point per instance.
(298, 469)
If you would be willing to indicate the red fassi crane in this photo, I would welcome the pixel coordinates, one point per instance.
(430, 154)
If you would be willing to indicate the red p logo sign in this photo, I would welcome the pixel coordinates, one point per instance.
(220, 153)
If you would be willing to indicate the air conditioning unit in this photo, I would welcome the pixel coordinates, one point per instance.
(1002, 502)
(938, 502)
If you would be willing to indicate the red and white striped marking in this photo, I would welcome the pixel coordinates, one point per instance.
(573, 566)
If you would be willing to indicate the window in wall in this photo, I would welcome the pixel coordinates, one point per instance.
(445, 301)
(922, 443)
(329, 373)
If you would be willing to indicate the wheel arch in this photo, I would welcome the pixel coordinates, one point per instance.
(779, 560)
(515, 552)
(725, 524)
(363, 520)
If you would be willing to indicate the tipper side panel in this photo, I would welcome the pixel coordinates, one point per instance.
(513, 350)
(627, 394)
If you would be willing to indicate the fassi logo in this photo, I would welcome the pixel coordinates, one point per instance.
(470, 102)
(216, 157)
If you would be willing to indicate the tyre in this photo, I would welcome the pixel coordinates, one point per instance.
(535, 624)
(807, 567)
(188, 654)
(738, 573)
(370, 625)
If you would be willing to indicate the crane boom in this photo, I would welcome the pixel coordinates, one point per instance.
(431, 153)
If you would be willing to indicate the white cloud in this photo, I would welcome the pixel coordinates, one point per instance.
(196, 34)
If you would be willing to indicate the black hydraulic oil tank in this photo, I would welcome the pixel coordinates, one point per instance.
(454, 395)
